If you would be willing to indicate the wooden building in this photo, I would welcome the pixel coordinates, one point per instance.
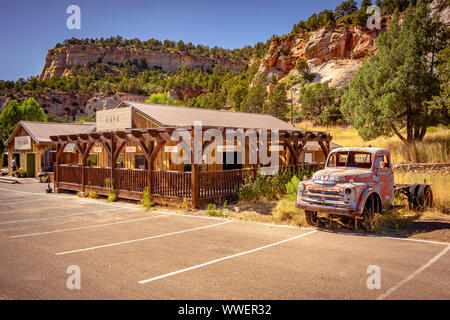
(134, 146)
(31, 146)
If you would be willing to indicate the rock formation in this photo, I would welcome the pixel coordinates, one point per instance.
(62, 61)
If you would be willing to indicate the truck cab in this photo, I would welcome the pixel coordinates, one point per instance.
(355, 183)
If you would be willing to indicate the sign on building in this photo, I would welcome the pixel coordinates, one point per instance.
(70, 147)
(130, 149)
(97, 149)
(114, 119)
(22, 143)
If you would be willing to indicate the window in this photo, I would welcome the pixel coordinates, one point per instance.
(91, 160)
(354, 159)
(382, 162)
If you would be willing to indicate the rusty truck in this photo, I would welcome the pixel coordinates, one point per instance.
(355, 184)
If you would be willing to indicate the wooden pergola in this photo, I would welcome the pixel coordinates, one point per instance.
(151, 141)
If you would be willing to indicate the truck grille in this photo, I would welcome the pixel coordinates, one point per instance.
(324, 194)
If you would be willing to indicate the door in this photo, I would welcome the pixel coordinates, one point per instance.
(385, 177)
(232, 160)
(31, 165)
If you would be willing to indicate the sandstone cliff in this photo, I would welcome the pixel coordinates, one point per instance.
(62, 61)
(333, 54)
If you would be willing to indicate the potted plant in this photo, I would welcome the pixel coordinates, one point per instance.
(22, 174)
(43, 177)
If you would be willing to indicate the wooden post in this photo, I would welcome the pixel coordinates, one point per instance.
(55, 165)
(150, 169)
(112, 160)
(86, 150)
(195, 188)
(59, 151)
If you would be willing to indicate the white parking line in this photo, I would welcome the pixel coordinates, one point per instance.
(224, 258)
(88, 227)
(23, 201)
(414, 274)
(142, 239)
(63, 216)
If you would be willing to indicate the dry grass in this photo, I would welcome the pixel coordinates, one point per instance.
(434, 148)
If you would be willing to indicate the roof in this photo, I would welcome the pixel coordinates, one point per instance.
(316, 145)
(361, 149)
(167, 116)
(40, 132)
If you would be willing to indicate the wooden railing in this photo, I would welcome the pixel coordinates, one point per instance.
(96, 177)
(172, 183)
(165, 184)
(220, 183)
(70, 174)
(131, 179)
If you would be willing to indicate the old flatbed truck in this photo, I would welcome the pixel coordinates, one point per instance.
(355, 184)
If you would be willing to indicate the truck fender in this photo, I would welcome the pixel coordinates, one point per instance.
(364, 196)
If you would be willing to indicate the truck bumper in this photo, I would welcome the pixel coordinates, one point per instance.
(348, 212)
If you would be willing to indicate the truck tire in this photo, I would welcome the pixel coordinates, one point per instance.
(413, 204)
(311, 218)
(366, 223)
(424, 197)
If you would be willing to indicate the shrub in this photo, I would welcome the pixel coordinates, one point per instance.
(146, 202)
(270, 187)
(291, 188)
(110, 190)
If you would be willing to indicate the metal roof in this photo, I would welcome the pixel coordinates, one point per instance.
(40, 132)
(166, 115)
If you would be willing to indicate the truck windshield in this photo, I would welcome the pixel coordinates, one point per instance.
(355, 159)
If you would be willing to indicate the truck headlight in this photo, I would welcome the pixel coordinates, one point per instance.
(301, 187)
(348, 191)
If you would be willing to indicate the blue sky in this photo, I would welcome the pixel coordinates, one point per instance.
(29, 28)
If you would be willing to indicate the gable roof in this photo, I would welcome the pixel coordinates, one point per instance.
(166, 116)
(40, 132)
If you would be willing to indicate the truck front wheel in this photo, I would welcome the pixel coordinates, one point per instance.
(311, 218)
(366, 223)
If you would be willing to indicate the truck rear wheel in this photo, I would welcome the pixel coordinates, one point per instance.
(424, 196)
(311, 218)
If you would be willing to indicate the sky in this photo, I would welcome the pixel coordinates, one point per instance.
(28, 29)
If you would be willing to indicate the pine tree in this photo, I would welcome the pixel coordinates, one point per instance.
(276, 104)
(391, 90)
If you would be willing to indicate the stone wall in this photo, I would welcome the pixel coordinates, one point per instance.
(420, 167)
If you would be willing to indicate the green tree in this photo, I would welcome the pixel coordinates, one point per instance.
(237, 95)
(302, 66)
(9, 117)
(315, 98)
(345, 8)
(31, 111)
(442, 101)
(162, 98)
(276, 103)
(391, 90)
(255, 98)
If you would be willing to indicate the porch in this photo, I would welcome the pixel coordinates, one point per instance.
(164, 186)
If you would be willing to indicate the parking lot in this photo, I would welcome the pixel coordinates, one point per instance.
(124, 252)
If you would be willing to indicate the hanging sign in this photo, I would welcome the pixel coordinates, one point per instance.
(70, 147)
(22, 143)
(171, 149)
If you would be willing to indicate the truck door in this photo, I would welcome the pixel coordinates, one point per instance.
(383, 168)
